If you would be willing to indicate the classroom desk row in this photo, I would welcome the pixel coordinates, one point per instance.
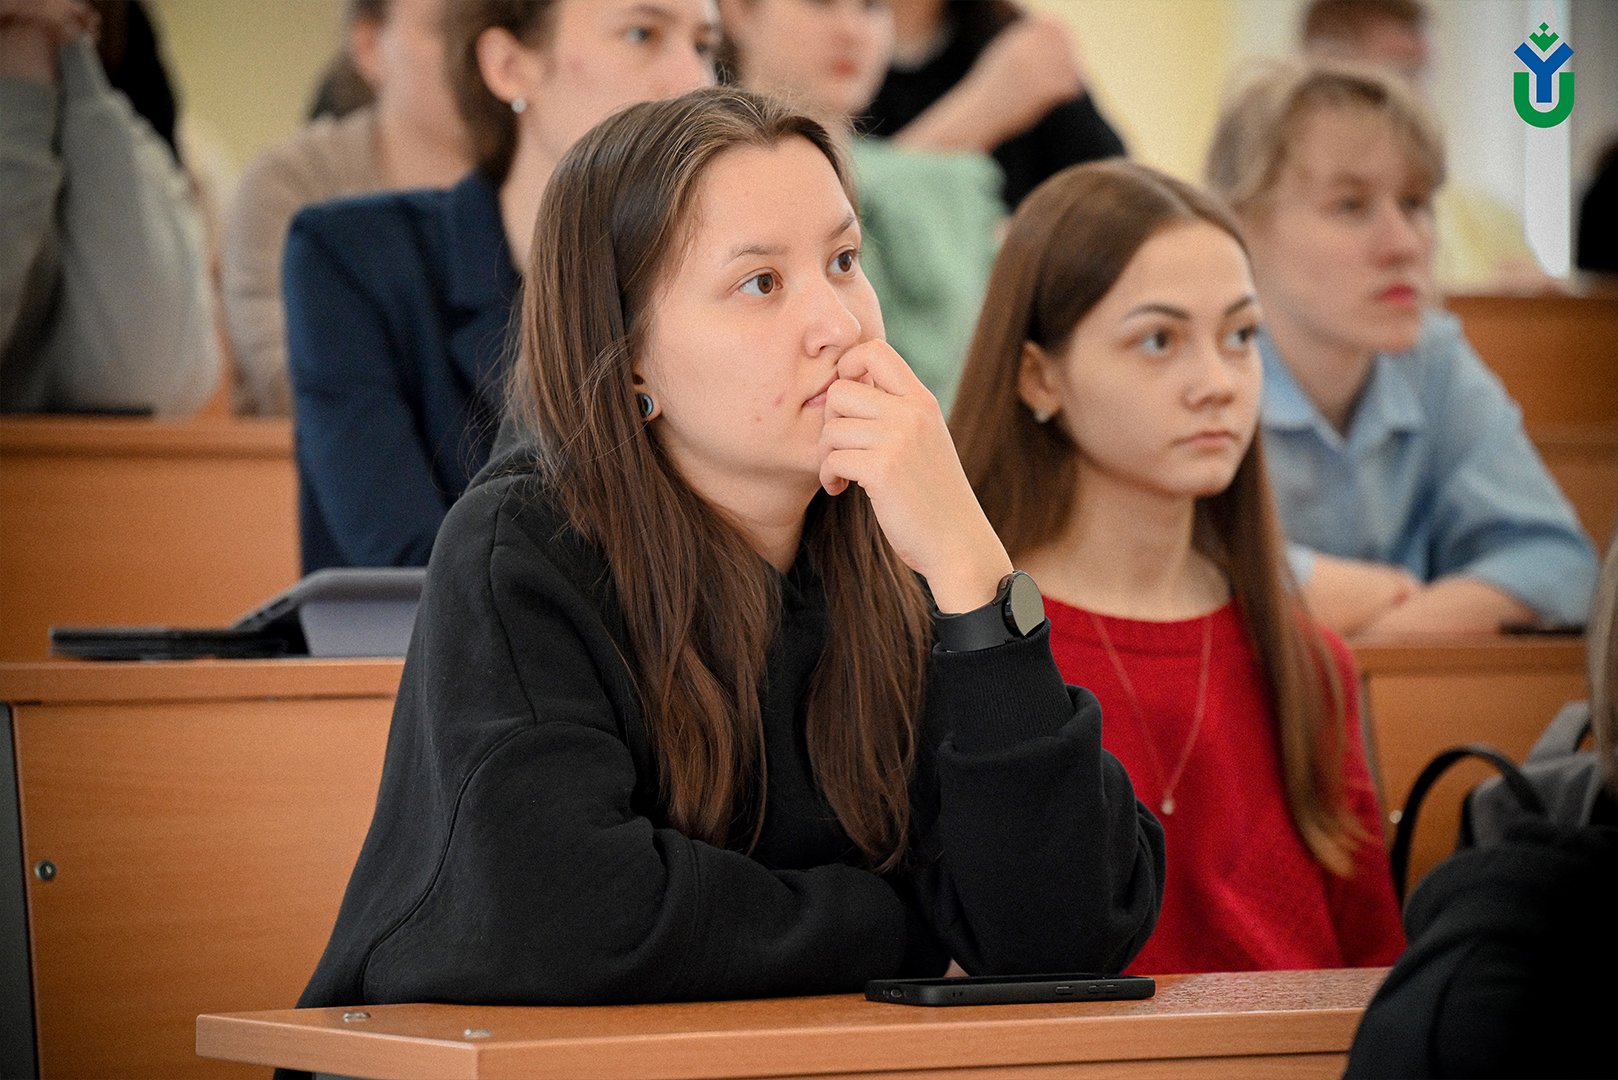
(181, 834)
(128, 521)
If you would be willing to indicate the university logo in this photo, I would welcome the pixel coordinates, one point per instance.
(1541, 66)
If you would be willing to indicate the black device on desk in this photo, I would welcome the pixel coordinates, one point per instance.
(1011, 989)
(339, 611)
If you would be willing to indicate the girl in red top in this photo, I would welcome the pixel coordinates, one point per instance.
(1107, 418)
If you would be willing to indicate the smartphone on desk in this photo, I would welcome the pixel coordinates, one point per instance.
(1010, 989)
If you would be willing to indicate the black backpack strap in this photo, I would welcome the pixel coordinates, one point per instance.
(1405, 832)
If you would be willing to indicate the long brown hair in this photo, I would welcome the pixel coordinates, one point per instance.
(1066, 246)
(700, 605)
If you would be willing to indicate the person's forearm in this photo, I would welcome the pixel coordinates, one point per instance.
(1349, 595)
(961, 119)
(1453, 605)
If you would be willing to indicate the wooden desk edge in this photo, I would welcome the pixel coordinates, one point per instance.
(916, 1039)
(1482, 652)
(101, 436)
(83, 682)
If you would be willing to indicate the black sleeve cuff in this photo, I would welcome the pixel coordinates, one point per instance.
(992, 699)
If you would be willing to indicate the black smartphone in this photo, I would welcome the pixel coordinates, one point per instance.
(1543, 626)
(1010, 989)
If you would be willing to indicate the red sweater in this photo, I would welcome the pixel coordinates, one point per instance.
(1243, 892)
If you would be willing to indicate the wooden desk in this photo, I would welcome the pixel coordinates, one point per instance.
(133, 521)
(1557, 355)
(1584, 462)
(1249, 1025)
(1422, 696)
(200, 820)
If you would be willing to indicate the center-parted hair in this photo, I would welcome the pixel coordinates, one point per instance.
(701, 607)
(1264, 116)
(1065, 248)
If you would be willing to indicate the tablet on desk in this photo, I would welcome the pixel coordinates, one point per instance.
(336, 612)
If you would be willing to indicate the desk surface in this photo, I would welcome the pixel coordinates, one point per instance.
(1458, 654)
(1224, 1021)
(102, 436)
(84, 682)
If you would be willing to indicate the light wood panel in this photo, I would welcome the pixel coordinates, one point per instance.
(1229, 1025)
(1585, 465)
(135, 522)
(1557, 355)
(202, 820)
(1423, 696)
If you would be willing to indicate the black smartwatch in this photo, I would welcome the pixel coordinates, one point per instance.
(1016, 611)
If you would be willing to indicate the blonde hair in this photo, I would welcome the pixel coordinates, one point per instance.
(1265, 115)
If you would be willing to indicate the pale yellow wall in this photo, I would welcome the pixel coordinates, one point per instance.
(1157, 68)
(246, 69)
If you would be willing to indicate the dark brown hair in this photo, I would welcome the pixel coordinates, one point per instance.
(491, 126)
(1066, 246)
(1347, 21)
(700, 605)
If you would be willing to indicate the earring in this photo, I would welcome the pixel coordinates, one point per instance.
(1043, 416)
(647, 405)
(518, 104)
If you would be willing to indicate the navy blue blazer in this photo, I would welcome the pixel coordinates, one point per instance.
(398, 306)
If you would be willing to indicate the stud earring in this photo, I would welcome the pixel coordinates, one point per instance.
(1043, 416)
(647, 405)
(518, 104)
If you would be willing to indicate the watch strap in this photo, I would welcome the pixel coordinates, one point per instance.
(1016, 611)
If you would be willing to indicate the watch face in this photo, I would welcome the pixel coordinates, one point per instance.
(1025, 607)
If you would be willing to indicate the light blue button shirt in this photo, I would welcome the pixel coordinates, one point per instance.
(1435, 474)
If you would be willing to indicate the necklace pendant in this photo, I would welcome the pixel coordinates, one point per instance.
(1167, 805)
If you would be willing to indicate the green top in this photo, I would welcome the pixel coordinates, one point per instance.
(931, 226)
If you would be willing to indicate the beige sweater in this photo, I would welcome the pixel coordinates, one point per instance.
(104, 300)
(329, 159)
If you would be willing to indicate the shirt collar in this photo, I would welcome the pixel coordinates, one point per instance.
(481, 272)
(1390, 402)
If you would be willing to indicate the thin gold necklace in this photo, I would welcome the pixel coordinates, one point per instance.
(1167, 805)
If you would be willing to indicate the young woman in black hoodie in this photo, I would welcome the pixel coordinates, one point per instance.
(722, 685)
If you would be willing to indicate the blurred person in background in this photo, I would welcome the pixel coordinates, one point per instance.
(1413, 498)
(398, 304)
(985, 75)
(408, 136)
(931, 217)
(1479, 244)
(104, 295)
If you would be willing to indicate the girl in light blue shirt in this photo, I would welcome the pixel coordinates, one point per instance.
(1413, 499)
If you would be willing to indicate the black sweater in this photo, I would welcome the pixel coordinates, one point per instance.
(1512, 967)
(519, 852)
